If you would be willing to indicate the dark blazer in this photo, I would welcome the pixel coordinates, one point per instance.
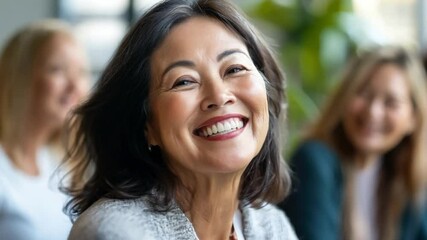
(314, 206)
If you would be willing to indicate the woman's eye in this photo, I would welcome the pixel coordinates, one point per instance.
(393, 102)
(364, 94)
(235, 69)
(54, 68)
(182, 83)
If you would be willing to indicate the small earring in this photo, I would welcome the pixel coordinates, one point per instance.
(149, 148)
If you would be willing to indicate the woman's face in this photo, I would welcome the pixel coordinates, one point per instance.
(208, 100)
(60, 80)
(381, 113)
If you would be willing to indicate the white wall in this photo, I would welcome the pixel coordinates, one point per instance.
(16, 13)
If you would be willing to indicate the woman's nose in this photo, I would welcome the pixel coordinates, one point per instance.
(77, 81)
(217, 94)
(376, 109)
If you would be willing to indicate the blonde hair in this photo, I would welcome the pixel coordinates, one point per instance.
(16, 64)
(404, 172)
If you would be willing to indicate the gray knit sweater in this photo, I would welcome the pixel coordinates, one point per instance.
(133, 219)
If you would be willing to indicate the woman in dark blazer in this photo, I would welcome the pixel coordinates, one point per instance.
(361, 171)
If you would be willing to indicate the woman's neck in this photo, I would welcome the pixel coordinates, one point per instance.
(210, 204)
(22, 149)
(365, 160)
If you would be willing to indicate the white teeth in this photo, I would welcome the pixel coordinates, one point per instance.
(233, 124)
(214, 129)
(227, 125)
(222, 127)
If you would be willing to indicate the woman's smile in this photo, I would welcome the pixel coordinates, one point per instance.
(222, 127)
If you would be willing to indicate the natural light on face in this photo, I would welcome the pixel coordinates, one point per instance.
(381, 113)
(210, 111)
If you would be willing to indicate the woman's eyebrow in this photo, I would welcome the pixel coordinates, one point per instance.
(230, 52)
(180, 63)
(188, 63)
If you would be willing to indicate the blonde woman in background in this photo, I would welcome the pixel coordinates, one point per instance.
(43, 75)
(361, 171)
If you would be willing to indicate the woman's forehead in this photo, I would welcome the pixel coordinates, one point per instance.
(198, 34)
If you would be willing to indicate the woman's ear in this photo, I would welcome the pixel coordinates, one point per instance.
(150, 135)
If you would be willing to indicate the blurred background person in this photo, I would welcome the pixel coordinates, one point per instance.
(43, 75)
(361, 171)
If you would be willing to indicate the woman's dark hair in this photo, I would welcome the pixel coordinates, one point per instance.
(110, 145)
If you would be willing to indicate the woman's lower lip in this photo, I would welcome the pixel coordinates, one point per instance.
(225, 136)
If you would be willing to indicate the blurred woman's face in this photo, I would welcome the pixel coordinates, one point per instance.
(381, 112)
(60, 80)
(208, 100)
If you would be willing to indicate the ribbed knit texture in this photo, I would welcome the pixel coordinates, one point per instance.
(133, 219)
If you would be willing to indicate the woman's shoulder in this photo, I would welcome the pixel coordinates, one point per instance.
(414, 219)
(130, 219)
(316, 153)
(5, 164)
(313, 146)
(112, 219)
(314, 162)
(118, 206)
(267, 222)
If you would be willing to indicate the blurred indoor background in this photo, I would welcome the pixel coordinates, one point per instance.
(313, 38)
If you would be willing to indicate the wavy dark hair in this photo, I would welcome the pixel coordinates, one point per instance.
(110, 145)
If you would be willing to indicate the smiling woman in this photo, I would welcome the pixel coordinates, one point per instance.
(43, 75)
(181, 137)
(362, 170)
